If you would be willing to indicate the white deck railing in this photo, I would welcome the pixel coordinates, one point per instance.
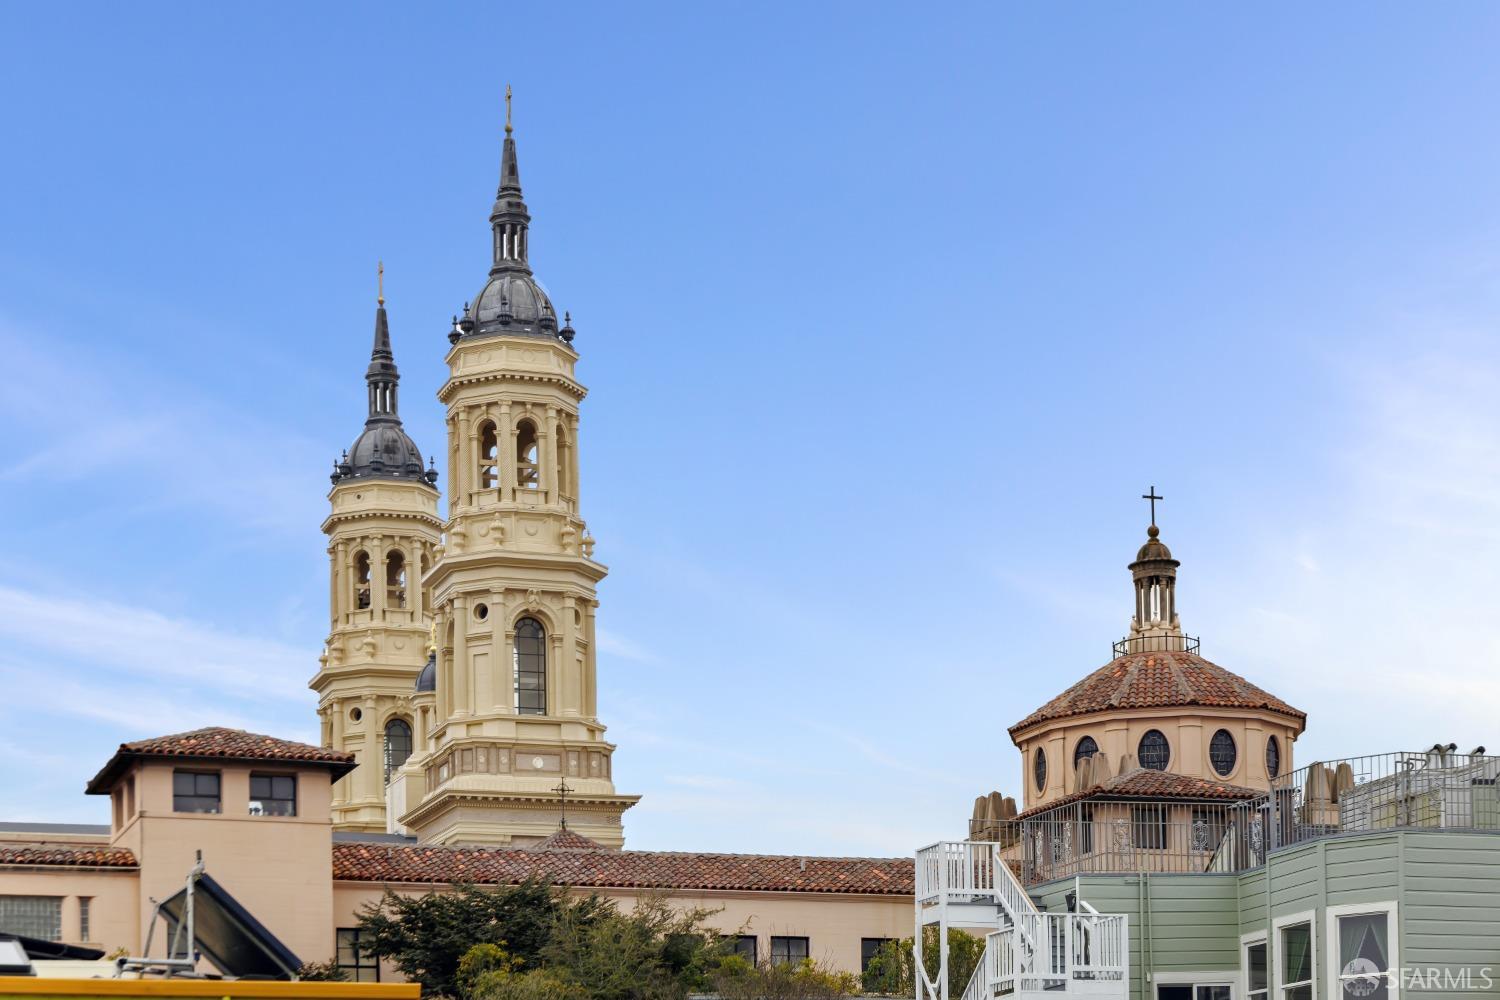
(1075, 948)
(967, 871)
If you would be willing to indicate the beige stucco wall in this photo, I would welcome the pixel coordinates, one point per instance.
(833, 923)
(1187, 732)
(112, 907)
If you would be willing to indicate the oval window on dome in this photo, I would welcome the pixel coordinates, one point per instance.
(1039, 769)
(1273, 757)
(1153, 752)
(1222, 753)
(1086, 748)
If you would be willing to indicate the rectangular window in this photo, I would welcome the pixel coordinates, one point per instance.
(788, 949)
(868, 949)
(195, 791)
(1149, 827)
(84, 930)
(1296, 962)
(747, 947)
(32, 916)
(1364, 956)
(273, 795)
(362, 968)
(1255, 971)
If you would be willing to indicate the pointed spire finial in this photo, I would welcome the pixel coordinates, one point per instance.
(380, 282)
(507, 110)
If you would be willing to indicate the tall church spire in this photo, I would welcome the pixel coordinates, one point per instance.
(509, 219)
(384, 450)
(512, 302)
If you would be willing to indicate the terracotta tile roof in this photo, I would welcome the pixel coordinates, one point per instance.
(1157, 680)
(598, 868)
(220, 743)
(567, 840)
(51, 855)
(1144, 783)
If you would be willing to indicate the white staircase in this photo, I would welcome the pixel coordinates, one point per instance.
(967, 884)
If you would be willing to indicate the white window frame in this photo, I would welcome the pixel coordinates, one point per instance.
(1308, 917)
(1230, 978)
(1392, 930)
(1246, 940)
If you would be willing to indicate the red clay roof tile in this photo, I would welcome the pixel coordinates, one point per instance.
(1157, 680)
(220, 743)
(51, 855)
(599, 868)
(1145, 783)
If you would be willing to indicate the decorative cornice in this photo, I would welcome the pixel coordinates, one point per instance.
(456, 382)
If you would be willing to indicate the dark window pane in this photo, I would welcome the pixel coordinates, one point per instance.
(531, 667)
(1153, 751)
(1256, 959)
(182, 783)
(1086, 748)
(1222, 752)
(868, 949)
(745, 946)
(260, 787)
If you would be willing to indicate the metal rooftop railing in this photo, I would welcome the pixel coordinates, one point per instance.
(1431, 790)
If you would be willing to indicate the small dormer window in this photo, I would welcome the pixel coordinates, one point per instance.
(1222, 753)
(273, 795)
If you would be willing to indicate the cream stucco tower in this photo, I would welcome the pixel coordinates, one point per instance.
(383, 533)
(516, 737)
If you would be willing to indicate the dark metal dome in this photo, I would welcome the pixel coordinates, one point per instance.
(511, 303)
(1154, 548)
(427, 679)
(383, 450)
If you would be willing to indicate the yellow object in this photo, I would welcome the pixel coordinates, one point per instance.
(86, 989)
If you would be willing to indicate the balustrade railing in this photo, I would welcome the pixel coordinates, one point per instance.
(1437, 789)
(1070, 947)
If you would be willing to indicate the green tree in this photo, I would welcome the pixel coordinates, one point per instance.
(427, 936)
(892, 970)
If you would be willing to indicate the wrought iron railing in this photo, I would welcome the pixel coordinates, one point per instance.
(1434, 790)
(1155, 644)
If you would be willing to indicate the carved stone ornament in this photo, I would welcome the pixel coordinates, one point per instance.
(533, 599)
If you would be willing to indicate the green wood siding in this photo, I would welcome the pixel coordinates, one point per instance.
(1446, 885)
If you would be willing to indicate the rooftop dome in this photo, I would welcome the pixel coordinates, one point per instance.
(513, 303)
(427, 679)
(1154, 548)
(1166, 679)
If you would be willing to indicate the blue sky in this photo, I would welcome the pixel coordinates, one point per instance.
(888, 317)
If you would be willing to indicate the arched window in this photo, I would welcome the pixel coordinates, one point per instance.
(1222, 753)
(1273, 757)
(564, 463)
(397, 745)
(527, 470)
(489, 456)
(1086, 748)
(395, 579)
(361, 580)
(1153, 751)
(1039, 769)
(531, 667)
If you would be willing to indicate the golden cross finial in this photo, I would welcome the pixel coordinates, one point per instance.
(380, 282)
(507, 109)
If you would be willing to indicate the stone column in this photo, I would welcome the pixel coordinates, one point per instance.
(377, 578)
(573, 461)
(505, 451)
(590, 664)
(547, 454)
(571, 702)
(466, 460)
(463, 683)
(554, 672)
(501, 685)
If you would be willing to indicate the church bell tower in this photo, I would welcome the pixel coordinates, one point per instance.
(516, 736)
(383, 532)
